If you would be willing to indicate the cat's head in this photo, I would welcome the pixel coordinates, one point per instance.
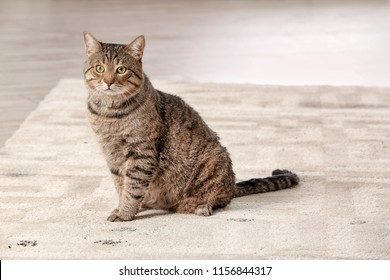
(113, 69)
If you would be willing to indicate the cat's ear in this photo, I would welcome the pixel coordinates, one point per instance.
(91, 44)
(136, 48)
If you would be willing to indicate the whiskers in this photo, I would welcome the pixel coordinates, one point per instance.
(113, 90)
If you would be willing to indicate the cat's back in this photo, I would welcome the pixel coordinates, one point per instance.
(182, 120)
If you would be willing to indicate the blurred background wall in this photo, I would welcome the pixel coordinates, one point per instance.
(289, 42)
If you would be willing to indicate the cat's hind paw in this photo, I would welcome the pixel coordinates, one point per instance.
(204, 210)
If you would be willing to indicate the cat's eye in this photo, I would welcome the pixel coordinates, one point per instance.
(100, 68)
(121, 70)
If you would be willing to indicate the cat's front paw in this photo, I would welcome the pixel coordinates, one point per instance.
(116, 216)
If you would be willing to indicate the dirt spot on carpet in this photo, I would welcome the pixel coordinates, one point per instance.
(358, 222)
(121, 229)
(240, 220)
(26, 243)
(109, 242)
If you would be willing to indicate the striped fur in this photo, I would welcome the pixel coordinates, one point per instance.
(160, 152)
(281, 179)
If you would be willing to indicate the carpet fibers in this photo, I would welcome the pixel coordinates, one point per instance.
(56, 191)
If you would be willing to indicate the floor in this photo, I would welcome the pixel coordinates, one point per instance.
(263, 42)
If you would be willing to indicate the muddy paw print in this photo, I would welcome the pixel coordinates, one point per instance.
(26, 243)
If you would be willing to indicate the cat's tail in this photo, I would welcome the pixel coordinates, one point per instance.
(281, 179)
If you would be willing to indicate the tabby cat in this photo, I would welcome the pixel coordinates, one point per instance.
(161, 154)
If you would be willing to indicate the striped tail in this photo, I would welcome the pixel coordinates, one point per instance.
(281, 179)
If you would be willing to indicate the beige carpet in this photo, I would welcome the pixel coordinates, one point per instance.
(56, 192)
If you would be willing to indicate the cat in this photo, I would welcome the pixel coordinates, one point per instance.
(160, 152)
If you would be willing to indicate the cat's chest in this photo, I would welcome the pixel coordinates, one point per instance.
(106, 128)
(115, 135)
(109, 133)
(111, 136)
(118, 136)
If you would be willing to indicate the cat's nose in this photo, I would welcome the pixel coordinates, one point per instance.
(109, 83)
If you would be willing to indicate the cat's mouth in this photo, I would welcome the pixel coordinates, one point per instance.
(112, 91)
